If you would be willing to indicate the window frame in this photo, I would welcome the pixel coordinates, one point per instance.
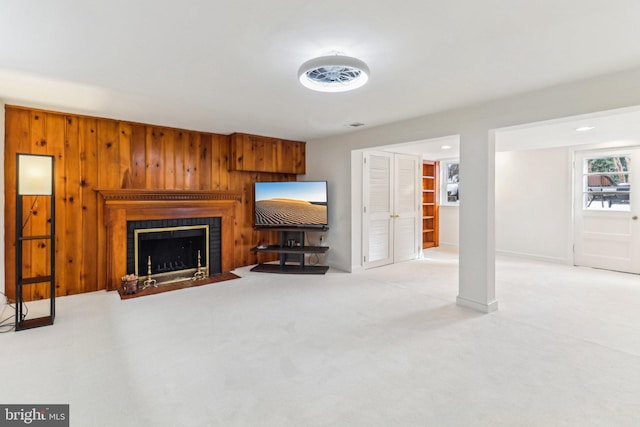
(444, 181)
(602, 192)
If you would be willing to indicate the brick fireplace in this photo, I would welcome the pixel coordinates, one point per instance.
(126, 206)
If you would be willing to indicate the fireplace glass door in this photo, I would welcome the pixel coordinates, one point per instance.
(171, 253)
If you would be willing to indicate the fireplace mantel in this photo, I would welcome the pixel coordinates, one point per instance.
(110, 195)
(122, 205)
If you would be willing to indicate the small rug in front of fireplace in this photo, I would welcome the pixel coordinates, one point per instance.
(215, 278)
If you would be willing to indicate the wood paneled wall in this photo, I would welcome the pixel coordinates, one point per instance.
(263, 154)
(92, 153)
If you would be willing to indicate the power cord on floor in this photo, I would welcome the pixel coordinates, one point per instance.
(314, 258)
(306, 240)
(8, 324)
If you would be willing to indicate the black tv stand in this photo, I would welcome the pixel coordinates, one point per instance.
(292, 251)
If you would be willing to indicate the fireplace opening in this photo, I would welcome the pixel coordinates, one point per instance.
(173, 252)
(174, 249)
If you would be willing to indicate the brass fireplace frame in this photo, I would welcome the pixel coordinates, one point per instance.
(171, 276)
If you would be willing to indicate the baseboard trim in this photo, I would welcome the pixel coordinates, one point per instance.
(523, 255)
(477, 306)
(356, 269)
(449, 245)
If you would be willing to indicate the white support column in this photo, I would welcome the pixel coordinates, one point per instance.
(476, 288)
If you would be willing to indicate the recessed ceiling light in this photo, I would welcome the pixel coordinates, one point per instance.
(446, 147)
(585, 128)
(334, 73)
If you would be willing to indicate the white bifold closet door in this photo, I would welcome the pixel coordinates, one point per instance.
(391, 208)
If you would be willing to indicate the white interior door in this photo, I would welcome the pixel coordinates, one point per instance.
(377, 209)
(606, 225)
(406, 223)
(391, 208)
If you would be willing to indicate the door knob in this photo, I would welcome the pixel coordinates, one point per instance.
(635, 217)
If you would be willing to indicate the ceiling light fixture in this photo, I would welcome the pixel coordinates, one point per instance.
(334, 73)
(585, 128)
(446, 147)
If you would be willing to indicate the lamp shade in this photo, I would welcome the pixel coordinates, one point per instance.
(35, 175)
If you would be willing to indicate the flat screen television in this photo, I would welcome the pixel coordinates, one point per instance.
(291, 204)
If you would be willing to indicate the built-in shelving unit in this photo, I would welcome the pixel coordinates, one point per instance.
(292, 251)
(430, 208)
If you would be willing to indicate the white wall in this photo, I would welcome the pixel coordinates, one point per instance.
(449, 226)
(330, 159)
(534, 204)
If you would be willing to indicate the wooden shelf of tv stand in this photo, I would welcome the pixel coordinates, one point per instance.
(299, 251)
(297, 268)
(292, 250)
(291, 269)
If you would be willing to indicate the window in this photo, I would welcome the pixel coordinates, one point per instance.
(606, 183)
(450, 181)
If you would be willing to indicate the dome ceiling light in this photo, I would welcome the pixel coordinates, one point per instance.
(334, 73)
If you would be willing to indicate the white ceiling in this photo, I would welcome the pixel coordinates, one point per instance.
(230, 66)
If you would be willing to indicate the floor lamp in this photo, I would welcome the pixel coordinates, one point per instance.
(34, 182)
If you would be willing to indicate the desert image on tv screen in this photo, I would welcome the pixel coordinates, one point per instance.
(291, 203)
